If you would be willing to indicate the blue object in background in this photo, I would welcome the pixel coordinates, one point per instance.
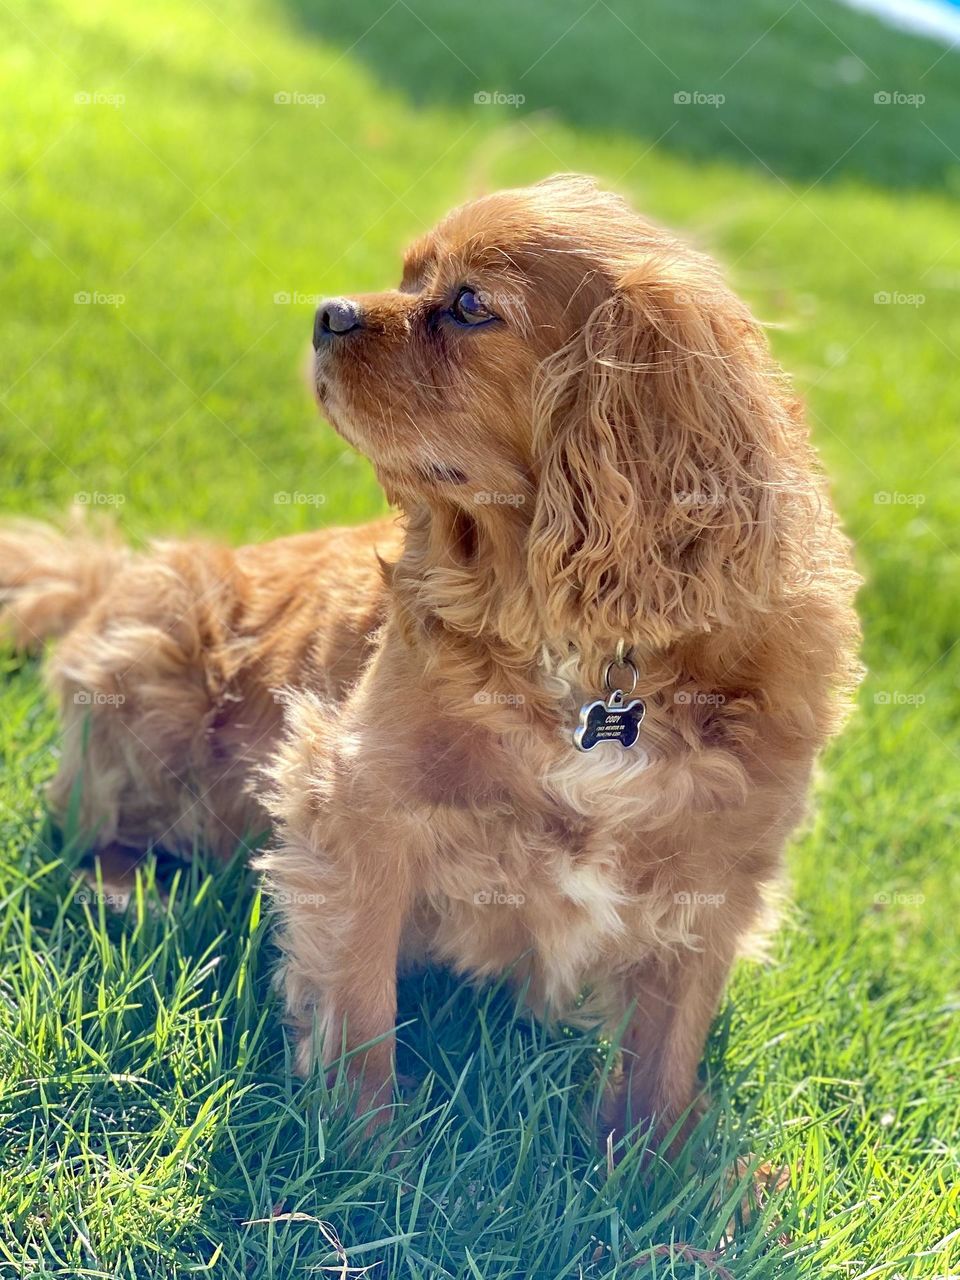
(939, 19)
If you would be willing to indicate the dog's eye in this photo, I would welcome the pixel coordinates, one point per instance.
(470, 308)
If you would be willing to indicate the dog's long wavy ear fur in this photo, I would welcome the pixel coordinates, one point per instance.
(668, 455)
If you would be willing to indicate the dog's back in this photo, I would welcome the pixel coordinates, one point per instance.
(172, 664)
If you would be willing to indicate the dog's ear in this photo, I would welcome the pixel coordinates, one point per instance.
(664, 443)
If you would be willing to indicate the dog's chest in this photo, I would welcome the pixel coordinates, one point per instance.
(554, 873)
(538, 851)
(564, 909)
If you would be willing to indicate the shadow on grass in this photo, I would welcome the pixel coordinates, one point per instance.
(184, 1071)
(491, 1157)
(787, 89)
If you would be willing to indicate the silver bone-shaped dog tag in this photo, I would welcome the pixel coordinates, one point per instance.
(613, 720)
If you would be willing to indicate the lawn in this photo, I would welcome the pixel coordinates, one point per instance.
(149, 1123)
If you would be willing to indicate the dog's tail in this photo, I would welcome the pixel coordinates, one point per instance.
(50, 577)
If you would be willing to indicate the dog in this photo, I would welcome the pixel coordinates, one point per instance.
(555, 720)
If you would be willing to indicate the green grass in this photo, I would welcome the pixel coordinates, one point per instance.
(149, 1125)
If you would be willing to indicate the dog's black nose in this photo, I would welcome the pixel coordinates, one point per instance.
(334, 317)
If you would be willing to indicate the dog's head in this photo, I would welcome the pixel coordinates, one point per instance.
(571, 378)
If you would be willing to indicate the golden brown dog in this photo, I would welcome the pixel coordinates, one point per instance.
(595, 462)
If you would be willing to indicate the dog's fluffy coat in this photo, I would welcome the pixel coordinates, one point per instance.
(611, 460)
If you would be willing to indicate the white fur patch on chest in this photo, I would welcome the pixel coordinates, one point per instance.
(601, 783)
(596, 891)
(569, 942)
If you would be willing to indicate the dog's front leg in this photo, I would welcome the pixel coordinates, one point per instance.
(343, 907)
(671, 998)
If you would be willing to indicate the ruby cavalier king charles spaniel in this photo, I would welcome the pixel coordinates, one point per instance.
(557, 718)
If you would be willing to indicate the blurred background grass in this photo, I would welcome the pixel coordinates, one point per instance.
(150, 161)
